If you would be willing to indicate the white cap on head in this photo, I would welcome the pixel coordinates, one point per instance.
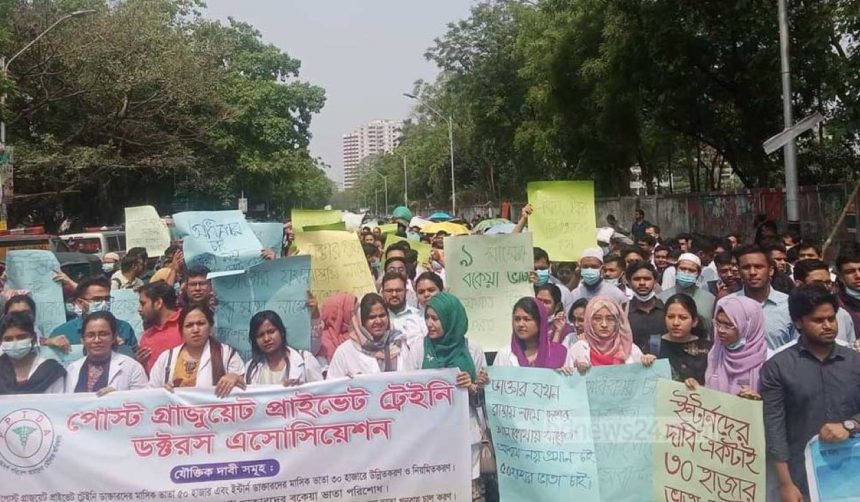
(691, 257)
(593, 253)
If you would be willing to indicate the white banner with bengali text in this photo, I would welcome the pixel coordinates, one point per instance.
(397, 436)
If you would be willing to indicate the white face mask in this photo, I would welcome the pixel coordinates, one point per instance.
(645, 298)
(18, 349)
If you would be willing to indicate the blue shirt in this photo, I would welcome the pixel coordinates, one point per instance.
(72, 331)
(777, 323)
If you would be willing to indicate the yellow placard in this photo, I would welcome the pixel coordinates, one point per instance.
(302, 218)
(563, 222)
(423, 248)
(337, 263)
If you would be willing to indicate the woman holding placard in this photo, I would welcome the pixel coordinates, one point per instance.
(273, 362)
(201, 361)
(103, 370)
(685, 344)
(608, 338)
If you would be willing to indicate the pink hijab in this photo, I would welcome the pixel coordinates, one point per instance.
(336, 317)
(726, 368)
(616, 347)
(550, 354)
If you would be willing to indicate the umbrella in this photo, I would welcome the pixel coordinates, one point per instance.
(440, 216)
(487, 224)
(503, 229)
(448, 228)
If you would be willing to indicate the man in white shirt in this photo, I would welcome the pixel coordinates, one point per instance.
(592, 284)
(403, 317)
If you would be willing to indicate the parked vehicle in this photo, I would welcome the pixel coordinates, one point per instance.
(29, 238)
(96, 241)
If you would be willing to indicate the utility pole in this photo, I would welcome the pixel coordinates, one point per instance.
(790, 150)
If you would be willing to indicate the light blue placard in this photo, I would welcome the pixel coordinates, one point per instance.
(831, 469)
(123, 305)
(76, 352)
(34, 270)
(541, 429)
(280, 285)
(222, 241)
(271, 235)
(623, 403)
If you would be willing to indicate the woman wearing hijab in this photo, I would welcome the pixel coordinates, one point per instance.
(685, 344)
(201, 361)
(739, 349)
(22, 370)
(550, 296)
(608, 338)
(337, 312)
(273, 362)
(373, 347)
(103, 370)
(446, 346)
(531, 344)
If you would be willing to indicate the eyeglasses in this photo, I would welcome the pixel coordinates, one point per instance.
(393, 291)
(100, 336)
(610, 320)
(724, 326)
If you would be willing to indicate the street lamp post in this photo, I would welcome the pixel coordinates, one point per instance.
(405, 183)
(450, 121)
(385, 182)
(790, 151)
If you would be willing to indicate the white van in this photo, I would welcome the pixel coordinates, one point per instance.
(96, 241)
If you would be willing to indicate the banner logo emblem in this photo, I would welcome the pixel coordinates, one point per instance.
(27, 440)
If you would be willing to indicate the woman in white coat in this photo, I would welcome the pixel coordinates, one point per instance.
(201, 361)
(446, 346)
(103, 370)
(373, 346)
(22, 369)
(531, 340)
(273, 362)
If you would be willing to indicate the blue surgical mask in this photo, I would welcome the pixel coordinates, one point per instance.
(413, 236)
(74, 309)
(107, 267)
(853, 293)
(99, 306)
(18, 349)
(590, 276)
(738, 345)
(542, 277)
(686, 279)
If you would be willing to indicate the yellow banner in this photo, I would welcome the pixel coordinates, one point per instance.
(563, 221)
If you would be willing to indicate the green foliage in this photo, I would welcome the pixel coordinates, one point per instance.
(146, 102)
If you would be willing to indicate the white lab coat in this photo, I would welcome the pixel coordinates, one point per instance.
(415, 361)
(232, 364)
(124, 373)
(506, 357)
(581, 352)
(304, 367)
(349, 361)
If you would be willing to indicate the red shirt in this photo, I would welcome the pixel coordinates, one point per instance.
(161, 338)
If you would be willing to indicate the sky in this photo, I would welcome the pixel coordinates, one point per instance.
(364, 53)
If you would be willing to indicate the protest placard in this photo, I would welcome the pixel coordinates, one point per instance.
(330, 226)
(34, 270)
(563, 222)
(281, 286)
(270, 234)
(337, 263)
(390, 435)
(709, 445)
(489, 273)
(831, 470)
(144, 228)
(352, 221)
(541, 429)
(221, 241)
(622, 401)
(123, 305)
(76, 351)
(388, 228)
(309, 217)
(422, 248)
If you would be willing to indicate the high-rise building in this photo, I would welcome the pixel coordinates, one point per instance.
(378, 136)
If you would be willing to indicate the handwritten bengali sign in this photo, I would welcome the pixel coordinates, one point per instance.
(831, 470)
(34, 270)
(320, 441)
(563, 222)
(709, 446)
(123, 305)
(622, 401)
(489, 273)
(144, 228)
(302, 218)
(338, 263)
(270, 234)
(541, 428)
(279, 285)
(222, 241)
